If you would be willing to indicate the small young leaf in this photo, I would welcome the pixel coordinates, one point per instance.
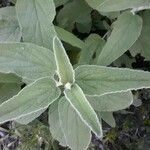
(9, 26)
(35, 19)
(123, 36)
(107, 117)
(81, 105)
(28, 61)
(34, 97)
(77, 134)
(64, 68)
(98, 80)
(54, 123)
(68, 37)
(111, 102)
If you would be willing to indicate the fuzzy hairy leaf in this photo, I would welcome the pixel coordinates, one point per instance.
(116, 5)
(68, 37)
(54, 123)
(77, 99)
(35, 19)
(34, 97)
(123, 36)
(111, 102)
(64, 68)
(9, 26)
(98, 80)
(76, 133)
(28, 61)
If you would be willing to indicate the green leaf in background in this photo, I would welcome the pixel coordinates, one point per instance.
(142, 45)
(76, 133)
(116, 5)
(93, 46)
(60, 2)
(68, 37)
(74, 12)
(34, 97)
(123, 36)
(64, 68)
(98, 80)
(35, 19)
(81, 105)
(107, 117)
(29, 118)
(111, 102)
(9, 27)
(26, 60)
(54, 123)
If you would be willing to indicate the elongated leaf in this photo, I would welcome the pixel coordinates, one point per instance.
(79, 102)
(26, 60)
(9, 26)
(98, 80)
(64, 68)
(111, 102)
(116, 5)
(9, 78)
(93, 47)
(35, 19)
(68, 37)
(34, 97)
(76, 133)
(29, 118)
(123, 36)
(54, 123)
(107, 117)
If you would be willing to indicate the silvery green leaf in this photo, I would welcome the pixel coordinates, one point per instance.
(77, 99)
(93, 46)
(7, 90)
(34, 97)
(35, 19)
(99, 80)
(107, 117)
(77, 134)
(54, 123)
(142, 45)
(74, 12)
(64, 68)
(28, 61)
(9, 26)
(116, 5)
(29, 118)
(111, 102)
(60, 2)
(123, 36)
(68, 37)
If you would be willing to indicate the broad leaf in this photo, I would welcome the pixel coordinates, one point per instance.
(76, 133)
(116, 5)
(9, 27)
(26, 60)
(98, 80)
(123, 36)
(111, 102)
(54, 123)
(77, 99)
(29, 118)
(60, 2)
(107, 117)
(142, 45)
(34, 97)
(93, 46)
(64, 68)
(35, 19)
(68, 37)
